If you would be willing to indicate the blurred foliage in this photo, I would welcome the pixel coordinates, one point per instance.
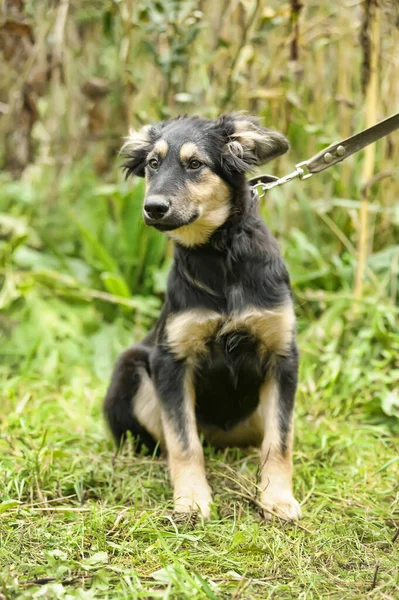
(80, 275)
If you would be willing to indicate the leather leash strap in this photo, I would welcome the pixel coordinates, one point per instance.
(329, 156)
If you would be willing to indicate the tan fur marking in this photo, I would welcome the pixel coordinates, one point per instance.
(276, 477)
(274, 328)
(247, 433)
(247, 136)
(161, 147)
(210, 196)
(248, 133)
(147, 409)
(136, 139)
(191, 150)
(189, 331)
(186, 461)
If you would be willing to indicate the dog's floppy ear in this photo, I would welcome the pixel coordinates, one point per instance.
(136, 148)
(248, 144)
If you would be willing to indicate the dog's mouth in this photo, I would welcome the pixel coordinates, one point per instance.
(170, 223)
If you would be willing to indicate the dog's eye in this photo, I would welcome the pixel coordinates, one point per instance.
(153, 163)
(194, 164)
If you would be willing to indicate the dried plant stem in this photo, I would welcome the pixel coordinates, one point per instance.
(344, 90)
(245, 30)
(126, 16)
(59, 107)
(369, 154)
(296, 7)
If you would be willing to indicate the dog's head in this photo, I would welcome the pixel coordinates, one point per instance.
(192, 168)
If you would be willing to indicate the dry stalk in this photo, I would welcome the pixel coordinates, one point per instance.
(374, 13)
(296, 7)
(344, 90)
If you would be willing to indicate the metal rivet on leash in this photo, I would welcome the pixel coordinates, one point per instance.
(329, 156)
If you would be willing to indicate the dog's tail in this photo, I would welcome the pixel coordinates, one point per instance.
(119, 400)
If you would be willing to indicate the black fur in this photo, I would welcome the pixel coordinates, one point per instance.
(123, 387)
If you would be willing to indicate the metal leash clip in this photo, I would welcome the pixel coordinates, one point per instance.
(267, 182)
(328, 157)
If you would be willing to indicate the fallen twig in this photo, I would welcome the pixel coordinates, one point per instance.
(374, 582)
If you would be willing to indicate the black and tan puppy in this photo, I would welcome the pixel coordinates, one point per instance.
(222, 358)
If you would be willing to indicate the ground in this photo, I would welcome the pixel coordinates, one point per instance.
(76, 522)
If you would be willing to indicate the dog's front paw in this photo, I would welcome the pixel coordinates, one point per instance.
(280, 503)
(195, 498)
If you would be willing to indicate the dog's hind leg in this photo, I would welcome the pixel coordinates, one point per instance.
(277, 398)
(131, 403)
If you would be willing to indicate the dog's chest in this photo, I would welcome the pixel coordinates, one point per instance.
(191, 333)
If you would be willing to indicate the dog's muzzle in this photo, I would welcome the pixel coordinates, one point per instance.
(158, 212)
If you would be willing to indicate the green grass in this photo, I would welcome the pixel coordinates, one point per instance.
(77, 523)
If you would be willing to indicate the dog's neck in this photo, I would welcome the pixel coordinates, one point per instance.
(239, 252)
(244, 207)
(242, 235)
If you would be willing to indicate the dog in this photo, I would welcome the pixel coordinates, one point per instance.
(222, 360)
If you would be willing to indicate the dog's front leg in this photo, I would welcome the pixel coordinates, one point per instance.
(176, 393)
(277, 398)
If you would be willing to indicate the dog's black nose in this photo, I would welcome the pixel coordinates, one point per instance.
(156, 207)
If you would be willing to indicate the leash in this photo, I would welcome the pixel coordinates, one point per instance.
(329, 156)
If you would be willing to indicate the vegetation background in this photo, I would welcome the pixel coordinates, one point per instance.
(81, 277)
